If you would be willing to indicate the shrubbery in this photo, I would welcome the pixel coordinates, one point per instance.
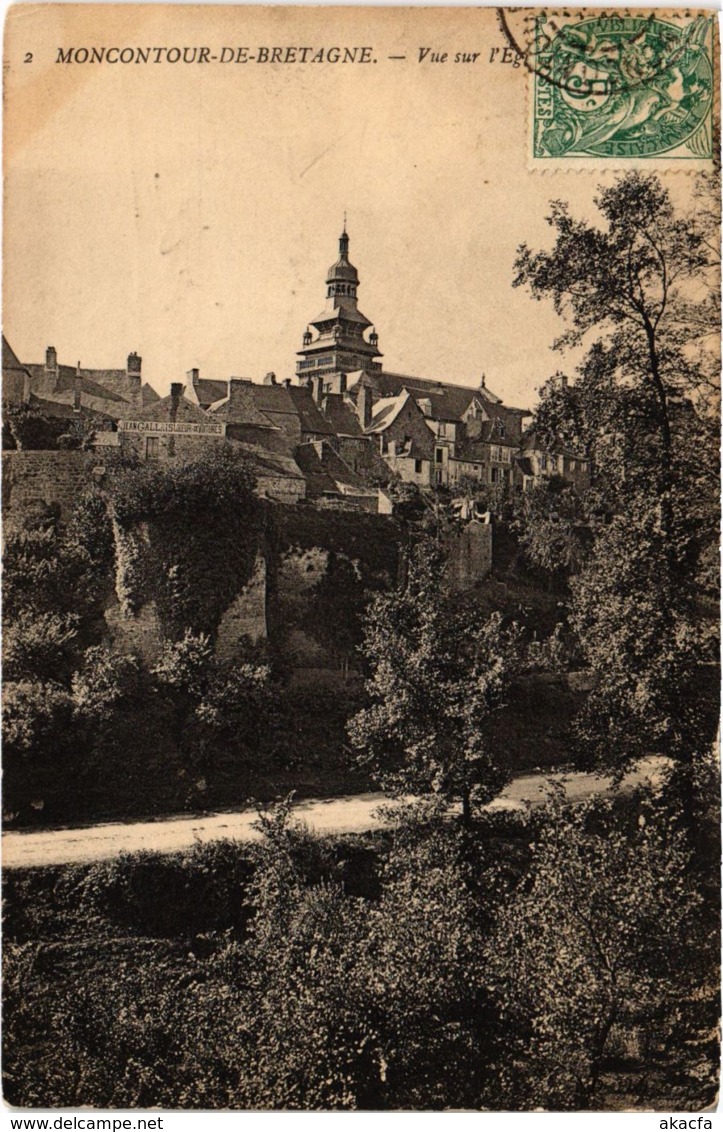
(466, 976)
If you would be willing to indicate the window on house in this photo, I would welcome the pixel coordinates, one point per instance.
(439, 455)
(543, 463)
(494, 475)
(505, 453)
(152, 452)
(418, 467)
(501, 428)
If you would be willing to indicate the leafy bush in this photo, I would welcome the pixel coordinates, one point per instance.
(35, 716)
(186, 537)
(25, 427)
(39, 647)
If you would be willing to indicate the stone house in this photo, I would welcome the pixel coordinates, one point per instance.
(475, 435)
(405, 440)
(293, 412)
(16, 377)
(173, 428)
(244, 421)
(330, 480)
(538, 463)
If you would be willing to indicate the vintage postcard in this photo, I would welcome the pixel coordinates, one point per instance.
(360, 391)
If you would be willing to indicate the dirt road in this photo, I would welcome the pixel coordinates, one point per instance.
(351, 814)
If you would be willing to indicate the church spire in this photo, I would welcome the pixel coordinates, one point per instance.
(344, 241)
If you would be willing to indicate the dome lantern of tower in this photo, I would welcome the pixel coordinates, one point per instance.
(342, 271)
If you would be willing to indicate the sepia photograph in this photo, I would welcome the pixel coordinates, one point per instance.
(360, 560)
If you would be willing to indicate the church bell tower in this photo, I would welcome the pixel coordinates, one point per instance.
(336, 340)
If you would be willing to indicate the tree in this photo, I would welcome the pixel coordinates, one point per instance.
(638, 410)
(548, 519)
(604, 941)
(630, 281)
(438, 673)
(214, 704)
(637, 640)
(362, 1004)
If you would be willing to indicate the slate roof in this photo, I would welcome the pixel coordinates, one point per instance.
(340, 471)
(269, 463)
(65, 409)
(386, 410)
(273, 399)
(341, 416)
(243, 409)
(10, 359)
(449, 402)
(161, 411)
(345, 310)
(308, 411)
(149, 396)
(318, 480)
(117, 381)
(12, 368)
(44, 383)
(325, 471)
(209, 390)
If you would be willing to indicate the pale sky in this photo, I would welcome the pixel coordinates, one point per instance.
(190, 212)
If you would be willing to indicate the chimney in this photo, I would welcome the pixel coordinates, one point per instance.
(77, 390)
(176, 397)
(270, 379)
(364, 406)
(235, 396)
(133, 365)
(192, 376)
(483, 382)
(51, 364)
(133, 373)
(287, 382)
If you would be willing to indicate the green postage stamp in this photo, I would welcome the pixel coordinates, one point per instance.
(622, 87)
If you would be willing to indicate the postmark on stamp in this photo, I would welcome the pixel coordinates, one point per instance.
(622, 87)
